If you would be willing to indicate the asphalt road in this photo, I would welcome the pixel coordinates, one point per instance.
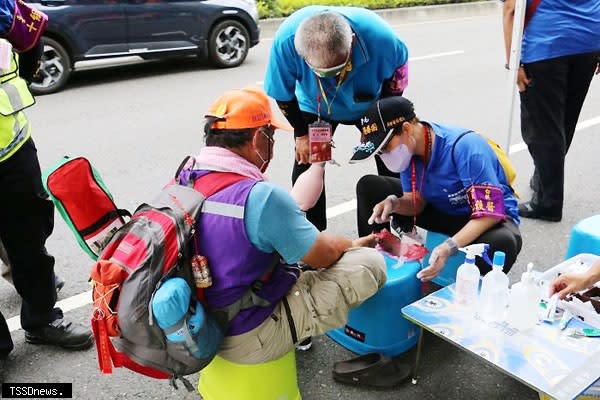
(136, 122)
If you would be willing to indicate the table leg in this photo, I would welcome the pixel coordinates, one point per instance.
(418, 357)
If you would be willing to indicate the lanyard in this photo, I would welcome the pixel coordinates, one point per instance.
(323, 93)
(413, 174)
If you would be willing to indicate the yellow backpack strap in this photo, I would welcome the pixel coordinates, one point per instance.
(509, 169)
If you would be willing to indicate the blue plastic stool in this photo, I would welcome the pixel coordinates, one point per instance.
(585, 237)
(273, 380)
(448, 274)
(377, 324)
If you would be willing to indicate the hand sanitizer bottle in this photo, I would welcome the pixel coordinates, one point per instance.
(494, 291)
(467, 277)
(524, 302)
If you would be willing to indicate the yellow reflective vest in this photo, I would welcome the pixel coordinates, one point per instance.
(14, 98)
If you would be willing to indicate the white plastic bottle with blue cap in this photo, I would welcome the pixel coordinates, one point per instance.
(467, 277)
(494, 291)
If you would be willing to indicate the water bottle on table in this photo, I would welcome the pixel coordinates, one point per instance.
(494, 291)
(524, 302)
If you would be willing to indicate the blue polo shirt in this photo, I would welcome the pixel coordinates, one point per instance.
(561, 28)
(275, 223)
(446, 182)
(376, 54)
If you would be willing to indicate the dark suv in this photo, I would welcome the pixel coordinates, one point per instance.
(78, 30)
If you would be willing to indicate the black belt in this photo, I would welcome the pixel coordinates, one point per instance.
(286, 305)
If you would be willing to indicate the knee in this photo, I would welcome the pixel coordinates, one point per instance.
(372, 260)
(365, 185)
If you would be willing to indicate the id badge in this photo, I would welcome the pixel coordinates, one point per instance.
(319, 141)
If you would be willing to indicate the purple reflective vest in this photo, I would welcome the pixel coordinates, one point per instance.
(235, 263)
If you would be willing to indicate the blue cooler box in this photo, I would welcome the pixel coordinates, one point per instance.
(377, 325)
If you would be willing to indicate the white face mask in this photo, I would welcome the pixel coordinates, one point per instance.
(397, 159)
(265, 162)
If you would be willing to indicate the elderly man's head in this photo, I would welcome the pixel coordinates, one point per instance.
(325, 42)
(242, 121)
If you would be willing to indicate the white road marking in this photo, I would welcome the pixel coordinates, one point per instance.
(68, 304)
(517, 147)
(425, 57)
(340, 209)
(436, 55)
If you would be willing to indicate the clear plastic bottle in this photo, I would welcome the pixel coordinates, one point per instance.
(524, 302)
(494, 291)
(467, 277)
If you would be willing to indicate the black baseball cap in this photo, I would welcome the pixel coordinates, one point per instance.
(378, 123)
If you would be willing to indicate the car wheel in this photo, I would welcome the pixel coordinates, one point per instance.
(55, 68)
(228, 44)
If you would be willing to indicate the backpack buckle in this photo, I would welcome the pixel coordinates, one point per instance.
(257, 285)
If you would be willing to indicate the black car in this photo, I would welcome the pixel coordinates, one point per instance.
(78, 30)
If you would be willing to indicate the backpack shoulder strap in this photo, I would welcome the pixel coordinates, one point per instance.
(454, 146)
(213, 182)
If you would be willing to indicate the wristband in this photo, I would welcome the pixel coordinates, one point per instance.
(453, 247)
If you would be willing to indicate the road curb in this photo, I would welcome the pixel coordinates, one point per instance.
(269, 26)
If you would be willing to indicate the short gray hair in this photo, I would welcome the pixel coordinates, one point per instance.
(322, 38)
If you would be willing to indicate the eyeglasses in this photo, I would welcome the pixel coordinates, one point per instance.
(268, 132)
(332, 71)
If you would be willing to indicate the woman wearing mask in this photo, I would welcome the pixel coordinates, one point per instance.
(450, 181)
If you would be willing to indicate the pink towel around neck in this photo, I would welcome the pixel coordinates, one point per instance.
(222, 159)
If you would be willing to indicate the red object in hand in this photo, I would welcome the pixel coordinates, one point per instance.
(389, 242)
(394, 246)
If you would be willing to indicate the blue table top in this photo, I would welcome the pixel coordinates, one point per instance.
(542, 358)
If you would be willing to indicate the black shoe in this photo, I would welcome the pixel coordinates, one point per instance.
(63, 334)
(371, 369)
(305, 345)
(526, 210)
(58, 283)
(534, 182)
